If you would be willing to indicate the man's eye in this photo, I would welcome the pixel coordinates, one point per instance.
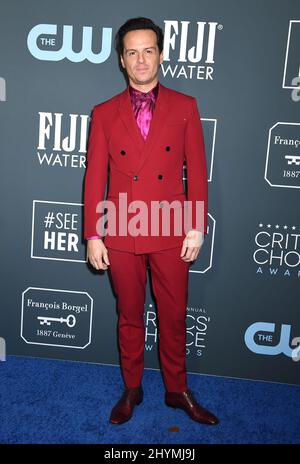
(149, 51)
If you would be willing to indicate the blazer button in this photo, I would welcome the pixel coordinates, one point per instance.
(135, 177)
(160, 176)
(168, 148)
(123, 152)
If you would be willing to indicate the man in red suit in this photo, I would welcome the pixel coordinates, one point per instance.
(143, 136)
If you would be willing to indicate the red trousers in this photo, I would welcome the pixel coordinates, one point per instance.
(169, 276)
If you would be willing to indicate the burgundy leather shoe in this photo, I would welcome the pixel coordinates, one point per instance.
(123, 409)
(187, 402)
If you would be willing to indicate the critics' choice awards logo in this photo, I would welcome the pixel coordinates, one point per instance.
(56, 231)
(283, 155)
(277, 250)
(62, 140)
(266, 338)
(56, 317)
(291, 73)
(197, 325)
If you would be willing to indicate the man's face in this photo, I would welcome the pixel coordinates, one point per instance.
(141, 57)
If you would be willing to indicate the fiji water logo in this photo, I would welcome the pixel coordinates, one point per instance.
(43, 43)
(189, 47)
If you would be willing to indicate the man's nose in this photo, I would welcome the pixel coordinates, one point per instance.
(141, 57)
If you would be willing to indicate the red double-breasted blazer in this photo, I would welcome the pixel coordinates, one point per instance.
(149, 170)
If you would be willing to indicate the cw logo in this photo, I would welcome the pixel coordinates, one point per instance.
(283, 345)
(34, 41)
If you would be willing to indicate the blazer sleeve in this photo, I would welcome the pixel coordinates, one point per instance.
(197, 186)
(96, 174)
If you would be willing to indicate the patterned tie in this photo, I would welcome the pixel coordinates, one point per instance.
(143, 111)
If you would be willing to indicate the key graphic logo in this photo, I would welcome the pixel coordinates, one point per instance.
(282, 167)
(56, 317)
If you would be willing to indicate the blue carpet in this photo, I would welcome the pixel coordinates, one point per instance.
(58, 402)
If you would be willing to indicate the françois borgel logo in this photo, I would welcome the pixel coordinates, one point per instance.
(277, 250)
(49, 43)
(62, 140)
(191, 46)
(266, 338)
(56, 231)
(197, 326)
(56, 317)
(283, 155)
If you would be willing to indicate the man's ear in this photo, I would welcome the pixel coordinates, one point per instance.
(122, 61)
(161, 57)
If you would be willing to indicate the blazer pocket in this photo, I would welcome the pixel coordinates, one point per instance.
(179, 204)
(176, 123)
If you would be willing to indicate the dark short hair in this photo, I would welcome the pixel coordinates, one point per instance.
(134, 24)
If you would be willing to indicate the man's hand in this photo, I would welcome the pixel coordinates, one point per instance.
(191, 245)
(97, 254)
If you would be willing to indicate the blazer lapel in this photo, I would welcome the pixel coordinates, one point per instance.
(157, 123)
(127, 116)
(159, 117)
